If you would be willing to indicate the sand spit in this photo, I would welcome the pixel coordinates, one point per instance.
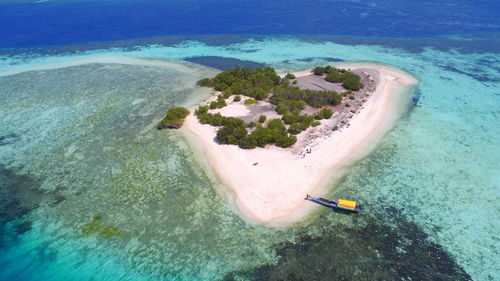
(268, 185)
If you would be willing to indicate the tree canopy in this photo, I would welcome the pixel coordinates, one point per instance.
(255, 83)
(349, 80)
(174, 119)
(265, 84)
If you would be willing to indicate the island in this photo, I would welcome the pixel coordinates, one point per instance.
(272, 139)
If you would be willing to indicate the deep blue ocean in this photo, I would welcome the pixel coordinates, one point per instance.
(89, 190)
(49, 23)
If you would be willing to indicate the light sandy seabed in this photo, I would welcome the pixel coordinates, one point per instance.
(103, 59)
(272, 192)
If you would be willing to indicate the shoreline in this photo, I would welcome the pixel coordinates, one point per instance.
(272, 192)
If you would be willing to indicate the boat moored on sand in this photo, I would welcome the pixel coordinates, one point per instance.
(341, 204)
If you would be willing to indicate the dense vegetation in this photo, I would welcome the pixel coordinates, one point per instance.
(315, 99)
(174, 118)
(289, 100)
(234, 131)
(348, 79)
(324, 113)
(219, 103)
(254, 83)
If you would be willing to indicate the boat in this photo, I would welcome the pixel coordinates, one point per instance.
(341, 204)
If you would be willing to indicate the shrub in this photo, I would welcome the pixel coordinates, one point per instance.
(297, 118)
(290, 76)
(227, 93)
(335, 128)
(327, 113)
(174, 119)
(315, 123)
(245, 81)
(260, 94)
(276, 125)
(216, 119)
(251, 124)
(294, 82)
(201, 110)
(248, 143)
(286, 141)
(237, 98)
(205, 82)
(352, 81)
(334, 77)
(250, 101)
(262, 118)
(285, 106)
(294, 129)
(282, 107)
(347, 105)
(219, 103)
(290, 118)
(324, 113)
(231, 134)
(221, 100)
(263, 136)
(313, 98)
(351, 97)
(232, 121)
(318, 70)
(349, 80)
(238, 87)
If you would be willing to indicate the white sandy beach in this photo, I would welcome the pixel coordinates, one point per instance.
(272, 192)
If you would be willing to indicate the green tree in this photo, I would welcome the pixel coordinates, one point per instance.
(334, 77)
(248, 143)
(174, 119)
(263, 136)
(205, 82)
(276, 125)
(324, 113)
(319, 70)
(260, 93)
(231, 135)
(201, 109)
(352, 81)
(286, 141)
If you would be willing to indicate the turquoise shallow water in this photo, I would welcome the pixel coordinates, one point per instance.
(79, 142)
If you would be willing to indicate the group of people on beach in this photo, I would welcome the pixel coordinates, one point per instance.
(308, 151)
